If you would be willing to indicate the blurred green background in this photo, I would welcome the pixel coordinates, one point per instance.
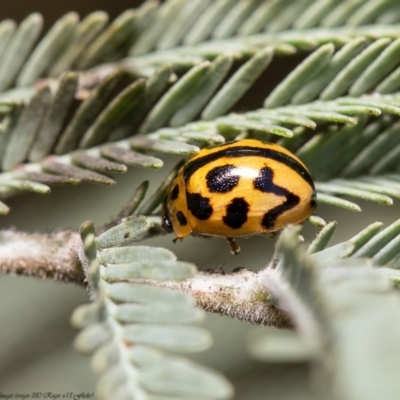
(36, 351)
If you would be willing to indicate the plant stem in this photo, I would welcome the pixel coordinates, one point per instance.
(239, 295)
(52, 255)
(58, 256)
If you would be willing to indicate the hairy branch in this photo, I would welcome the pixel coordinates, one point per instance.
(43, 255)
(239, 295)
(57, 256)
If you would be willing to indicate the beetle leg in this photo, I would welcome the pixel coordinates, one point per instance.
(235, 248)
(272, 235)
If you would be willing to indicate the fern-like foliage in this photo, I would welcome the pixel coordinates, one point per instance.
(130, 326)
(342, 299)
(91, 98)
(84, 110)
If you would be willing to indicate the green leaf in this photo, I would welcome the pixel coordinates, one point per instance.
(381, 145)
(6, 128)
(164, 17)
(25, 185)
(340, 14)
(216, 74)
(156, 361)
(48, 49)
(373, 246)
(388, 252)
(339, 61)
(96, 163)
(141, 293)
(50, 179)
(143, 253)
(130, 157)
(183, 378)
(113, 114)
(322, 239)
(370, 102)
(365, 235)
(317, 221)
(164, 146)
(324, 115)
(239, 83)
(158, 313)
(24, 133)
(105, 358)
(7, 29)
(315, 12)
(285, 347)
(234, 18)
(87, 113)
(119, 33)
(207, 21)
(174, 338)
(91, 337)
(54, 119)
(84, 34)
(237, 124)
(161, 270)
(345, 310)
(378, 187)
(133, 228)
(261, 17)
(379, 68)
(176, 97)
(188, 14)
(85, 315)
(305, 71)
(331, 187)
(338, 202)
(367, 13)
(286, 17)
(88, 236)
(18, 49)
(339, 251)
(345, 78)
(80, 174)
(157, 84)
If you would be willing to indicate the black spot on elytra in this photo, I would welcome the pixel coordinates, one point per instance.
(270, 217)
(264, 183)
(247, 151)
(174, 192)
(222, 179)
(236, 213)
(181, 218)
(199, 206)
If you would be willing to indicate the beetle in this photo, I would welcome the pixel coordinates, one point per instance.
(238, 189)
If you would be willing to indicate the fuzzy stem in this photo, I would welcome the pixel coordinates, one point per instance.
(58, 256)
(42, 255)
(239, 295)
